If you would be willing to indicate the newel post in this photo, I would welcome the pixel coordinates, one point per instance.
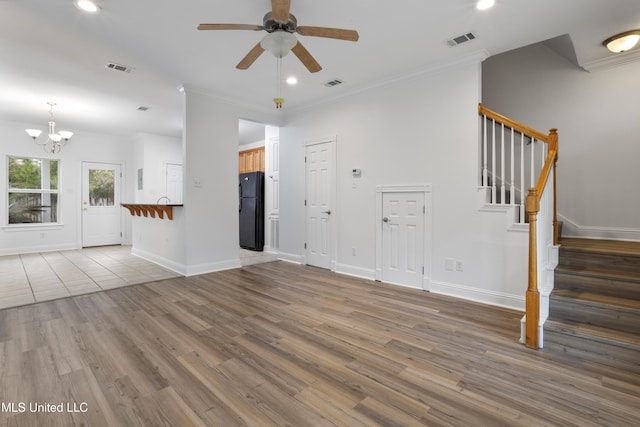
(533, 296)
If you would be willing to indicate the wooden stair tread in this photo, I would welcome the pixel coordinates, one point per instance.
(602, 246)
(593, 272)
(588, 331)
(594, 299)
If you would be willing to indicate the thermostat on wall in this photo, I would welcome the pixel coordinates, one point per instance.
(356, 172)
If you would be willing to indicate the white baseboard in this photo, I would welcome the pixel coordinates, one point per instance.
(212, 267)
(166, 263)
(296, 259)
(484, 296)
(37, 249)
(523, 331)
(571, 229)
(186, 270)
(350, 270)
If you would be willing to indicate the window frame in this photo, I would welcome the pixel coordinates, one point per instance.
(42, 191)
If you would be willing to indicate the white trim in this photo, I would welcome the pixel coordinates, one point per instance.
(212, 267)
(476, 57)
(571, 229)
(333, 139)
(37, 249)
(187, 270)
(615, 60)
(426, 189)
(34, 226)
(350, 270)
(293, 258)
(485, 296)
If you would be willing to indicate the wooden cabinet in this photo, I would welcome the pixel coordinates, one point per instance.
(251, 160)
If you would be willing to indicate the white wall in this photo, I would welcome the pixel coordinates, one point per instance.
(84, 146)
(422, 130)
(598, 124)
(152, 153)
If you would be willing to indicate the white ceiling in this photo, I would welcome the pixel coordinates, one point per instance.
(51, 51)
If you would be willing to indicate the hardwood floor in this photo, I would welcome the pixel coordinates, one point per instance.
(285, 345)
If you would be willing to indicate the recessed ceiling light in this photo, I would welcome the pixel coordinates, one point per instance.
(88, 6)
(484, 4)
(292, 80)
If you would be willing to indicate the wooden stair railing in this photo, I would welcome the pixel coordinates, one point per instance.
(534, 196)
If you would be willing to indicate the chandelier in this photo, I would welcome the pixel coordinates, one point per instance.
(55, 140)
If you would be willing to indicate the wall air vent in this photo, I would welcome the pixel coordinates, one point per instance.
(455, 41)
(334, 82)
(143, 108)
(118, 67)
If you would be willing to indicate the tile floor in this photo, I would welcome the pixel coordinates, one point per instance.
(29, 278)
(252, 257)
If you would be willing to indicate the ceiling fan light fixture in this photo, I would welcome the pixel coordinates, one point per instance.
(622, 42)
(279, 43)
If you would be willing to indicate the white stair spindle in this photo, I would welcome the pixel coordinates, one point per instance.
(533, 155)
(512, 189)
(493, 163)
(522, 193)
(485, 171)
(503, 193)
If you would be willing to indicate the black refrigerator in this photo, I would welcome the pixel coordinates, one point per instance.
(251, 194)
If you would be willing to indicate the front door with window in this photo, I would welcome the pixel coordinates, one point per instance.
(101, 211)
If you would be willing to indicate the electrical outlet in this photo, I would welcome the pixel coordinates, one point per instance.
(459, 266)
(448, 264)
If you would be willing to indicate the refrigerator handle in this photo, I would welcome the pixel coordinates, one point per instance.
(239, 197)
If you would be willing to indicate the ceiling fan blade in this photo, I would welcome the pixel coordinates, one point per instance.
(230, 27)
(331, 33)
(251, 57)
(305, 57)
(280, 10)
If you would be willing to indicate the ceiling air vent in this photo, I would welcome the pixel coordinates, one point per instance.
(119, 67)
(334, 82)
(461, 39)
(143, 108)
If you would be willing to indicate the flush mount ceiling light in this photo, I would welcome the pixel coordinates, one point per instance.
(88, 6)
(484, 4)
(292, 80)
(55, 140)
(622, 42)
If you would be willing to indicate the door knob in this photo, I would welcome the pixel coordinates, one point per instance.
(326, 212)
(385, 219)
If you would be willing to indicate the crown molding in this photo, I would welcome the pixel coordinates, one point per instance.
(612, 61)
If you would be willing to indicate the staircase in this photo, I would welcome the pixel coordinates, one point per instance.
(596, 298)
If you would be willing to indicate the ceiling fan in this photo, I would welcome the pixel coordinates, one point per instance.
(281, 24)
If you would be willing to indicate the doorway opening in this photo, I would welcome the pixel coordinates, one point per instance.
(258, 191)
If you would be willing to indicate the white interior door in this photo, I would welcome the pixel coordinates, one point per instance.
(320, 182)
(173, 184)
(272, 194)
(403, 238)
(101, 211)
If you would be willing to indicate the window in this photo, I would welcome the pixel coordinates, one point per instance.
(33, 191)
